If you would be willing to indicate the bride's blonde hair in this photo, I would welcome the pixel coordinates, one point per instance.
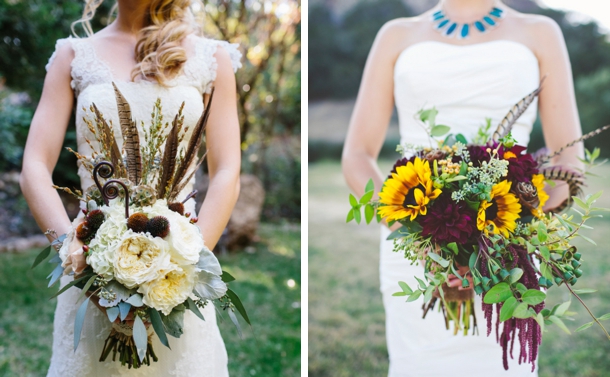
(159, 52)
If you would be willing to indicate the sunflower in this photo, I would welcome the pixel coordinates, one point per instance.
(501, 212)
(538, 182)
(408, 191)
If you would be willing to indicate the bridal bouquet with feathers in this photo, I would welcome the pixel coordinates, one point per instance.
(146, 260)
(480, 204)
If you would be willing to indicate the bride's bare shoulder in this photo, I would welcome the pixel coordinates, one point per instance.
(397, 34)
(542, 31)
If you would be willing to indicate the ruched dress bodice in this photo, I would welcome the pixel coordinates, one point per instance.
(200, 351)
(466, 84)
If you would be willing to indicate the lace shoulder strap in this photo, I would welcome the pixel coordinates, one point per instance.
(206, 48)
(86, 67)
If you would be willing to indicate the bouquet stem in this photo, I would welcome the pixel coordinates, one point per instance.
(457, 306)
(121, 341)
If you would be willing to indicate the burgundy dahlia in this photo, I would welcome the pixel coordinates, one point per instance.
(478, 154)
(401, 162)
(521, 165)
(448, 221)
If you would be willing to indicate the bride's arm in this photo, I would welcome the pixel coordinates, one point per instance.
(557, 104)
(45, 139)
(372, 112)
(224, 154)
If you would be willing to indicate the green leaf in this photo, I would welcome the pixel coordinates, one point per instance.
(79, 320)
(174, 322)
(593, 197)
(584, 327)
(399, 294)
(533, 297)
(515, 275)
(428, 293)
(521, 288)
(55, 275)
(357, 215)
(498, 293)
(422, 284)
(397, 233)
(112, 313)
(584, 291)
(86, 287)
(370, 186)
(140, 337)
(405, 287)
(350, 216)
(367, 197)
(472, 260)
(587, 239)
(193, 307)
(580, 203)
(522, 311)
(414, 296)
(560, 310)
(438, 259)
(70, 284)
(508, 308)
(604, 317)
(352, 200)
(556, 320)
(540, 320)
(238, 305)
(369, 213)
(546, 271)
(453, 247)
(227, 277)
(439, 130)
(44, 253)
(157, 323)
(461, 138)
(542, 236)
(546, 254)
(428, 115)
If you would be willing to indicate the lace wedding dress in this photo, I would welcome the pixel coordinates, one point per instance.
(200, 351)
(466, 84)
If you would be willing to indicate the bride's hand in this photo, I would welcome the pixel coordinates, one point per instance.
(76, 260)
(453, 280)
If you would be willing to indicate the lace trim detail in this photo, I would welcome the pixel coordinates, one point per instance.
(207, 49)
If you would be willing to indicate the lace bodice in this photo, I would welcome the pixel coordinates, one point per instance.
(466, 84)
(200, 351)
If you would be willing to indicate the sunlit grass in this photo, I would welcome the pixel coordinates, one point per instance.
(346, 317)
(270, 348)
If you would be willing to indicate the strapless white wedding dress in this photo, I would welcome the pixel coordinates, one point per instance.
(200, 351)
(466, 84)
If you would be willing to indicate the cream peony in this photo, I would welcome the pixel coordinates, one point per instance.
(169, 290)
(185, 239)
(140, 258)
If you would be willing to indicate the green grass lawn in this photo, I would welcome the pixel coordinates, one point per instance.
(269, 281)
(346, 317)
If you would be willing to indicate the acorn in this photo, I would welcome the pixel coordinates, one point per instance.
(176, 207)
(95, 219)
(158, 226)
(83, 231)
(137, 222)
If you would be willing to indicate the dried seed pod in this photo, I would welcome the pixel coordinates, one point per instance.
(137, 222)
(95, 219)
(176, 207)
(83, 232)
(158, 226)
(527, 194)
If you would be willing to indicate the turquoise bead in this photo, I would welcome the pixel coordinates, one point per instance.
(489, 20)
(438, 17)
(496, 13)
(479, 25)
(464, 32)
(443, 23)
(451, 28)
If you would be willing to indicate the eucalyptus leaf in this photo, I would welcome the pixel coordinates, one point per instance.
(556, 320)
(121, 292)
(405, 287)
(193, 307)
(157, 323)
(86, 287)
(414, 296)
(208, 262)
(560, 310)
(604, 317)
(69, 285)
(135, 300)
(174, 322)
(44, 253)
(55, 259)
(140, 337)
(55, 275)
(226, 277)
(438, 259)
(422, 284)
(587, 239)
(112, 313)
(124, 310)
(580, 203)
(584, 290)
(584, 327)
(235, 322)
(79, 321)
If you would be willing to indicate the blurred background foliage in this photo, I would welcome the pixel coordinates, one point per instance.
(268, 84)
(342, 33)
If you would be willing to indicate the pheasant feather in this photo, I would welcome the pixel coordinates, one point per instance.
(582, 138)
(506, 125)
(131, 138)
(574, 179)
(192, 148)
(168, 164)
(109, 142)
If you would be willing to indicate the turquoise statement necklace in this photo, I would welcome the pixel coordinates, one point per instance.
(450, 28)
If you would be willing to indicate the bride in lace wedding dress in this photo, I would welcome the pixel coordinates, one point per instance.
(150, 51)
(471, 59)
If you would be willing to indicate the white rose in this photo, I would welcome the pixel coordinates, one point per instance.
(103, 246)
(140, 258)
(170, 289)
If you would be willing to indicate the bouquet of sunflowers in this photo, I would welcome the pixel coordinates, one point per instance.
(480, 205)
(145, 257)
